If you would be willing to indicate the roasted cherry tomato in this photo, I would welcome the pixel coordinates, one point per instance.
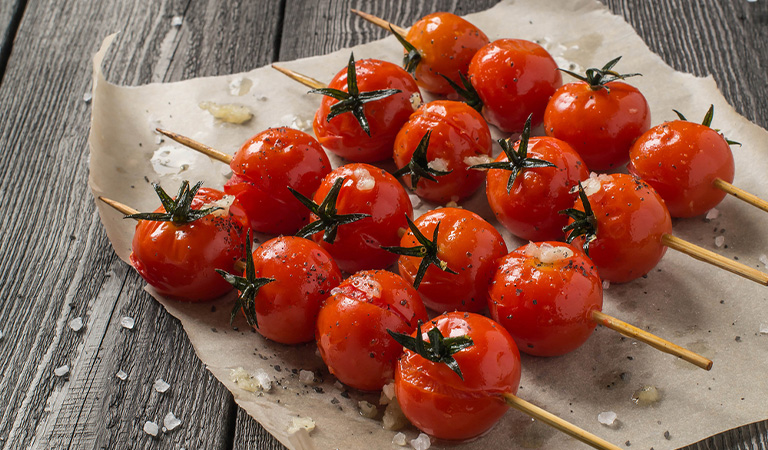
(681, 160)
(177, 253)
(367, 210)
(437, 400)
(599, 116)
(514, 78)
(353, 322)
(384, 113)
(544, 294)
(443, 44)
(439, 163)
(625, 228)
(450, 268)
(264, 166)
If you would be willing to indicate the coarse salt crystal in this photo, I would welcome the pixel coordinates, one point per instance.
(76, 324)
(365, 182)
(301, 423)
(171, 422)
(477, 159)
(719, 241)
(763, 259)
(394, 419)
(547, 253)
(121, 375)
(592, 184)
(367, 409)
(177, 21)
(229, 112)
(240, 86)
(607, 418)
(87, 97)
(388, 390)
(422, 442)
(127, 322)
(151, 428)
(307, 376)
(712, 214)
(606, 284)
(764, 328)
(161, 386)
(438, 164)
(61, 371)
(399, 439)
(264, 379)
(416, 201)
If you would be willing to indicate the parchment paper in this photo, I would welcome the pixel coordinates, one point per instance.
(707, 310)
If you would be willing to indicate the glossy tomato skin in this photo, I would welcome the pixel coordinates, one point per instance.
(367, 190)
(343, 135)
(263, 169)
(546, 305)
(447, 44)
(531, 208)
(599, 124)
(179, 261)
(469, 245)
(460, 138)
(438, 402)
(514, 78)
(631, 220)
(681, 160)
(304, 275)
(353, 322)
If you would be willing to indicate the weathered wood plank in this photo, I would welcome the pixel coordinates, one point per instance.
(10, 15)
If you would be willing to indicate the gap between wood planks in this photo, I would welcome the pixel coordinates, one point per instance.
(9, 34)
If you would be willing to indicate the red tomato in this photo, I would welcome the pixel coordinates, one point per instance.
(468, 245)
(544, 296)
(179, 260)
(304, 275)
(459, 138)
(601, 124)
(352, 327)
(344, 136)
(530, 210)
(680, 160)
(631, 219)
(446, 44)
(366, 190)
(514, 78)
(436, 400)
(264, 166)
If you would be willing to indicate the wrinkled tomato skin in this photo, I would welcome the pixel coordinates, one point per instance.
(599, 124)
(353, 322)
(447, 44)
(469, 245)
(458, 132)
(531, 209)
(546, 307)
(343, 135)
(681, 160)
(179, 261)
(514, 78)
(438, 402)
(304, 274)
(263, 169)
(358, 244)
(631, 220)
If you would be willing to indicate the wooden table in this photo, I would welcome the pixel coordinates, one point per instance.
(57, 263)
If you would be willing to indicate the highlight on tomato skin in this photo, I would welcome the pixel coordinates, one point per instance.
(544, 294)
(263, 168)
(179, 261)
(436, 400)
(352, 326)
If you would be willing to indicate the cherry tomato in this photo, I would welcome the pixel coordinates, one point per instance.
(343, 134)
(459, 137)
(264, 166)
(544, 295)
(179, 260)
(436, 400)
(467, 245)
(352, 327)
(631, 220)
(303, 276)
(681, 160)
(446, 44)
(366, 190)
(514, 78)
(530, 209)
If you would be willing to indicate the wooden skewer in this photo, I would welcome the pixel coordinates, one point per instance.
(303, 79)
(558, 423)
(741, 194)
(713, 258)
(381, 22)
(650, 339)
(194, 145)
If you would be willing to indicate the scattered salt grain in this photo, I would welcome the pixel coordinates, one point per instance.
(477, 159)
(422, 442)
(244, 380)
(607, 418)
(171, 422)
(307, 376)
(394, 419)
(230, 113)
(416, 201)
(719, 241)
(61, 371)
(712, 214)
(763, 259)
(76, 324)
(177, 21)
(367, 409)
(439, 164)
(547, 253)
(121, 375)
(301, 423)
(240, 86)
(606, 284)
(592, 184)
(151, 428)
(127, 322)
(388, 392)
(264, 379)
(399, 439)
(87, 97)
(161, 386)
(764, 328)
(365, 182)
